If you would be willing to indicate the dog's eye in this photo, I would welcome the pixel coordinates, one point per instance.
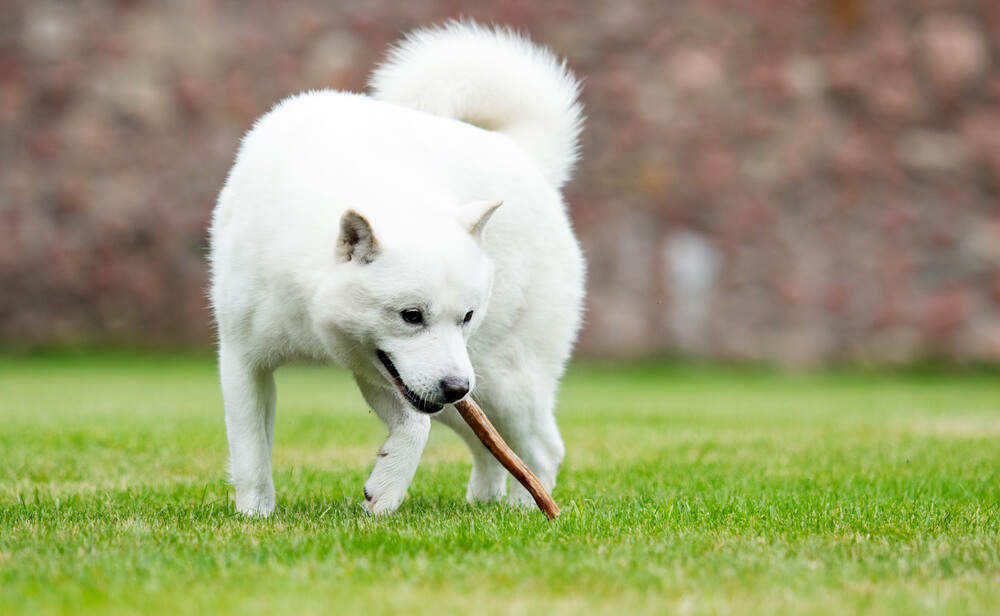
(412, 316)
(468, 317)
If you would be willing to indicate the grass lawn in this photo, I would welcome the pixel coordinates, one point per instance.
(685, 490)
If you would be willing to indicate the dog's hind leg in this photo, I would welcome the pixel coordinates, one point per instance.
(397, 459)
(488, 481)
(249, 396)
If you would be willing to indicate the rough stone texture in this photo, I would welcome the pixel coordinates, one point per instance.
(824, 176)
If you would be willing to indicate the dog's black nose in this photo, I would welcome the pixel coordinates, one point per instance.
(454, 389)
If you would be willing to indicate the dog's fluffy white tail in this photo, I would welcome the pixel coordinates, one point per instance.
(494, 79)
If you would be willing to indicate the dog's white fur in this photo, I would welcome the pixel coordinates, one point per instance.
(344, 215)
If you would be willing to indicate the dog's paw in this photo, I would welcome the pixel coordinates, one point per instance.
(254, 504)
(382, 502)
(486, 489)
(473, 496)
(520, 497)
(487, 482)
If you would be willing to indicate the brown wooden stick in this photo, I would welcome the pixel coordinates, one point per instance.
(480, 424)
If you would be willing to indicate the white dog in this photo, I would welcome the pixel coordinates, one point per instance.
(369, 231)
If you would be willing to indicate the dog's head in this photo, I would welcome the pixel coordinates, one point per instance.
(407, 296)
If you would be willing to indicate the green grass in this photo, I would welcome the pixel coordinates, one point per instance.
(685, 490)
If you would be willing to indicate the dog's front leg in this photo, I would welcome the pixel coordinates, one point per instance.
(488, 481)
(249, 397)
(397, 459)
(541, 448)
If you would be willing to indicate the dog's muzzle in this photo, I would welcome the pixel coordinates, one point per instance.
(418, 403)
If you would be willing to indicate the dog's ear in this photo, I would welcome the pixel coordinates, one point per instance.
(357, 240)
(474, 216)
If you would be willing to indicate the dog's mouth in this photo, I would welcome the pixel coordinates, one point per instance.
(418, 403)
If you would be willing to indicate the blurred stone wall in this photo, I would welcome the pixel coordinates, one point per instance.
(793, 181)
